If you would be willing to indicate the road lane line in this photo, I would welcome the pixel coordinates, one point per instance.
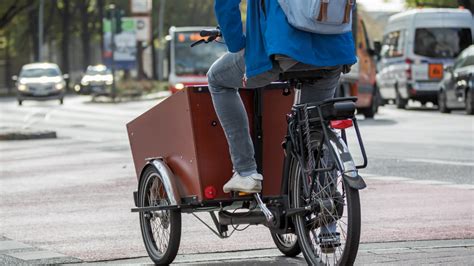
(439, 162)
(408, 180)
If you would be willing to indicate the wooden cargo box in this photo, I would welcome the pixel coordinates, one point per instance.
(185, 131)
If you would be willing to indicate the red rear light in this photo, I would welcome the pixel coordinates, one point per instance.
(341, 124)
(210, 192)
(409, 62)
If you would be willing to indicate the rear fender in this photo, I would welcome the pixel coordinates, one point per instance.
(349, 170)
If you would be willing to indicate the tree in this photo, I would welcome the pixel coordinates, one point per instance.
(436, 3)
(12, 8)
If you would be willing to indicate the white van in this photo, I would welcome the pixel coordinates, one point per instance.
(417, 45)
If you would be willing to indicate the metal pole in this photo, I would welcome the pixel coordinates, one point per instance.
(40, 30)
(160, 38)
(113, 29)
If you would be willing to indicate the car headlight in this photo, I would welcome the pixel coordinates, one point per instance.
(179, 86)
(59, 86)
(84, 83)
(109, 82)
(22, 87)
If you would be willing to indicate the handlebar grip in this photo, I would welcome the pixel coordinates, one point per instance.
(210, 33)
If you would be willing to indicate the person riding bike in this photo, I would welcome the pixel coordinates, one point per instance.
(269, 47)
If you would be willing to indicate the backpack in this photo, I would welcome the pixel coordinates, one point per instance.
(319, 16)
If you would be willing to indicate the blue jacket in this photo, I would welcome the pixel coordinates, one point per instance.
(268, 33)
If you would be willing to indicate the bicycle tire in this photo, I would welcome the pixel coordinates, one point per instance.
(313, 253)
(169, 220)
(288, 248)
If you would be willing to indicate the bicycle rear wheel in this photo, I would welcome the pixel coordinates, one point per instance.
(287, 244)
(339, 207)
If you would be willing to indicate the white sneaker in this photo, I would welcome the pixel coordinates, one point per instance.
(248, 184)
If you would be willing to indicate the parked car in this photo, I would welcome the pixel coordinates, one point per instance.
(417, 45)
(40, 81)
(457, 88)
(97, 80)
(360, 81)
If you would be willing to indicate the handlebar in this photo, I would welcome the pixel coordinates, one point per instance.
(211, 34)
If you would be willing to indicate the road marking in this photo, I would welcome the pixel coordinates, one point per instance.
(37, 255)
(409, 180)
(10, 244)
(439, 162)
(387, 178)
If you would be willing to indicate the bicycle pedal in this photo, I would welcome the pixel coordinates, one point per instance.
(240, 194)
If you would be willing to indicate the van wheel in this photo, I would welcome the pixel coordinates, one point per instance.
(470, 102)
(443, 108)
(20, 102)
(61, 101)
(399, 101)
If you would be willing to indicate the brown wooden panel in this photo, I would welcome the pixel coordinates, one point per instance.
(275, 108)
(166, 131)
(213, 159)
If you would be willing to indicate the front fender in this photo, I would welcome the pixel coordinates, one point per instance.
(167, 177)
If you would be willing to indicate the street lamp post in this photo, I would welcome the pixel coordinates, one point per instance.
(40, 30)
(112, 46)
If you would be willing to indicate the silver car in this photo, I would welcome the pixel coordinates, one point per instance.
(40, 81)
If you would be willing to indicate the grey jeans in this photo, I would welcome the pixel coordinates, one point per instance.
(226, 75)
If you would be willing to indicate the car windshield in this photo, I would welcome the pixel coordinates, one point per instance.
(442, 42)
(98, 72)
(197, 60)
(39, 72)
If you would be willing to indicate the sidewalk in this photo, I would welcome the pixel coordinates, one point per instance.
(432, 252)
(444, 252)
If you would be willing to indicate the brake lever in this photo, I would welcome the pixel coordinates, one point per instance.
(210, 39)
(198, 42)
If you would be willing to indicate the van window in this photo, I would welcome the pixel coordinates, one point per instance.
(441, 42)
(393, 44)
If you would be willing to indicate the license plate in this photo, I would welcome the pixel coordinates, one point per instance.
(41, 93)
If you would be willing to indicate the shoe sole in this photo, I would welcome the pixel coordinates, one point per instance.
(244, 191)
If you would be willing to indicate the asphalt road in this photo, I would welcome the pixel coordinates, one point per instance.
(73, 195)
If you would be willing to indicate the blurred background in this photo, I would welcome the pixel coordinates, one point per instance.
(67, 172)
(76, 34)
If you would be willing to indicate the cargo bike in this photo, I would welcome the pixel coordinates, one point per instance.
(311, 180)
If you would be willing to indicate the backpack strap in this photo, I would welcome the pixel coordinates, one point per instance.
(323, 10)
(347, 11)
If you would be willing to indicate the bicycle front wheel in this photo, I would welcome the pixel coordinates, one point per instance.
(161, 230)
(329, 235)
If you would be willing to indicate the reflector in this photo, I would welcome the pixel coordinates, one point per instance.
(341, 124)
(210, 192)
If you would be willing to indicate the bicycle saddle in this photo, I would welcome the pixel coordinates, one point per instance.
(304, 72)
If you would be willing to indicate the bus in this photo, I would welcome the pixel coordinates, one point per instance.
(188, 66)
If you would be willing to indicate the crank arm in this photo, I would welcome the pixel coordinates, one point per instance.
(268, 214)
